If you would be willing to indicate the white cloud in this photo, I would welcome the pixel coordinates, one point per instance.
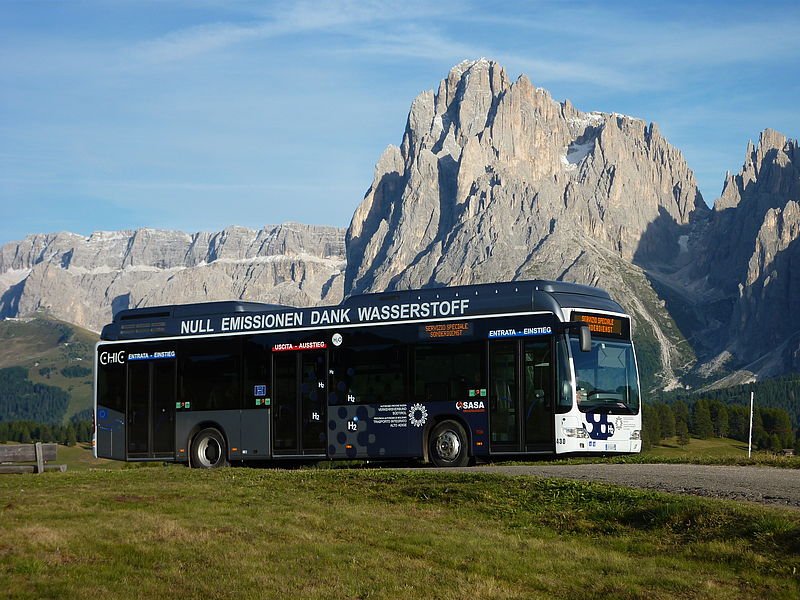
(192, 41)
(347, 16)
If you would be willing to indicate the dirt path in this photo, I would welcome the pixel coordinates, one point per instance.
(765, 485)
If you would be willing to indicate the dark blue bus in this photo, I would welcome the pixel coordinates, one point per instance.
(447, 375)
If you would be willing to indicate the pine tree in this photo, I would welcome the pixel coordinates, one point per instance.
(681, 412)
(720, 417)
(24, 433)
(738, 422)
(651, 426)
(701, 420)
(761, 439)
(682, 432)
(667, 420)
(759, 433)
(72, 437)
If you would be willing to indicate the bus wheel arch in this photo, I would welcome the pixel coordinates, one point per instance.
(208, 447)
(447, 443)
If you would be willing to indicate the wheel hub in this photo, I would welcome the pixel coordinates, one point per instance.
(208, 452)
(448, 446)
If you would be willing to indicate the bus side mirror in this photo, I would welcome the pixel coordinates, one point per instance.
(585, 337)
(584, 334)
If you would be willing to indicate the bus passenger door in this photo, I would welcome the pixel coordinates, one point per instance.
(298, 403)
(313, 400)
(504, 396)
(521, 395)
(151, 409)
(284, 404)
(537, 394)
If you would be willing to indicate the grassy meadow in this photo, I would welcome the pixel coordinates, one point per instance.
(713, 451)
(165, 532)
(712, 447)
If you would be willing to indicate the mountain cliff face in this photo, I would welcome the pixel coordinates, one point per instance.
(495, 180)
(487, 166)
(746, 275)
(84, 280)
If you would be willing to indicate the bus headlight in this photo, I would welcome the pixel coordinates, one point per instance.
(636, 434)
(576, 432)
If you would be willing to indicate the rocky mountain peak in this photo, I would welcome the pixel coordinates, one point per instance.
(482, 145)
(496, 180)
(768, 166)
(769, 177)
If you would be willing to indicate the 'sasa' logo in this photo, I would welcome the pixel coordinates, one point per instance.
(470, 406)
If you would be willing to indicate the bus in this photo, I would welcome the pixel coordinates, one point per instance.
(448, 375)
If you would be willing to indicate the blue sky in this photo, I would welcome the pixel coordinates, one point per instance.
(199, 114)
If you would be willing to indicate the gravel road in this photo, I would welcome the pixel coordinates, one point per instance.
(765, 485)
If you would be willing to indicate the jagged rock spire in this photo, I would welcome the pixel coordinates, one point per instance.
(482, 155)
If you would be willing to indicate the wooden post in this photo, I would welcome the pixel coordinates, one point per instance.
(39, 458)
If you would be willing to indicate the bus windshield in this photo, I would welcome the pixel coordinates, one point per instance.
(606, 377)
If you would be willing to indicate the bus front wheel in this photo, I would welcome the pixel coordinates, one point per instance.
(208, 450)
(447, 445)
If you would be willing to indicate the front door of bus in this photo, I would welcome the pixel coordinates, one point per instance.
(151, 408)
(298, 403)
(521, 395)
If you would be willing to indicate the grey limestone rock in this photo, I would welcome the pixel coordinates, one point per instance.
(751, 261)
(84, 280)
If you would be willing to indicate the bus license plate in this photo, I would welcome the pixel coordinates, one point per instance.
(611, 446)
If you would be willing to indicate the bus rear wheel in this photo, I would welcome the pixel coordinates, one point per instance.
(208, 450)
(447, 445)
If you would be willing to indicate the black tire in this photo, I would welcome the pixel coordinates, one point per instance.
(448, 445)
(208, 450)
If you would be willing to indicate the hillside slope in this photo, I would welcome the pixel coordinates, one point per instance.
(54, 353)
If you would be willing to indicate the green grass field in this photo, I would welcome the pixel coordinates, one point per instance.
(167, 532)
(713, 451)
(716, 451)
(712, 447)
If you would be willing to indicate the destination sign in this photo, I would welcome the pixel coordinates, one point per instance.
(604, 325)
(445, 330)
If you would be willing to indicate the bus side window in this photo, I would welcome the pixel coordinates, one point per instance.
(448, 372)
(210, 378)
(256, 351)
(368, 375)
(111, 382)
